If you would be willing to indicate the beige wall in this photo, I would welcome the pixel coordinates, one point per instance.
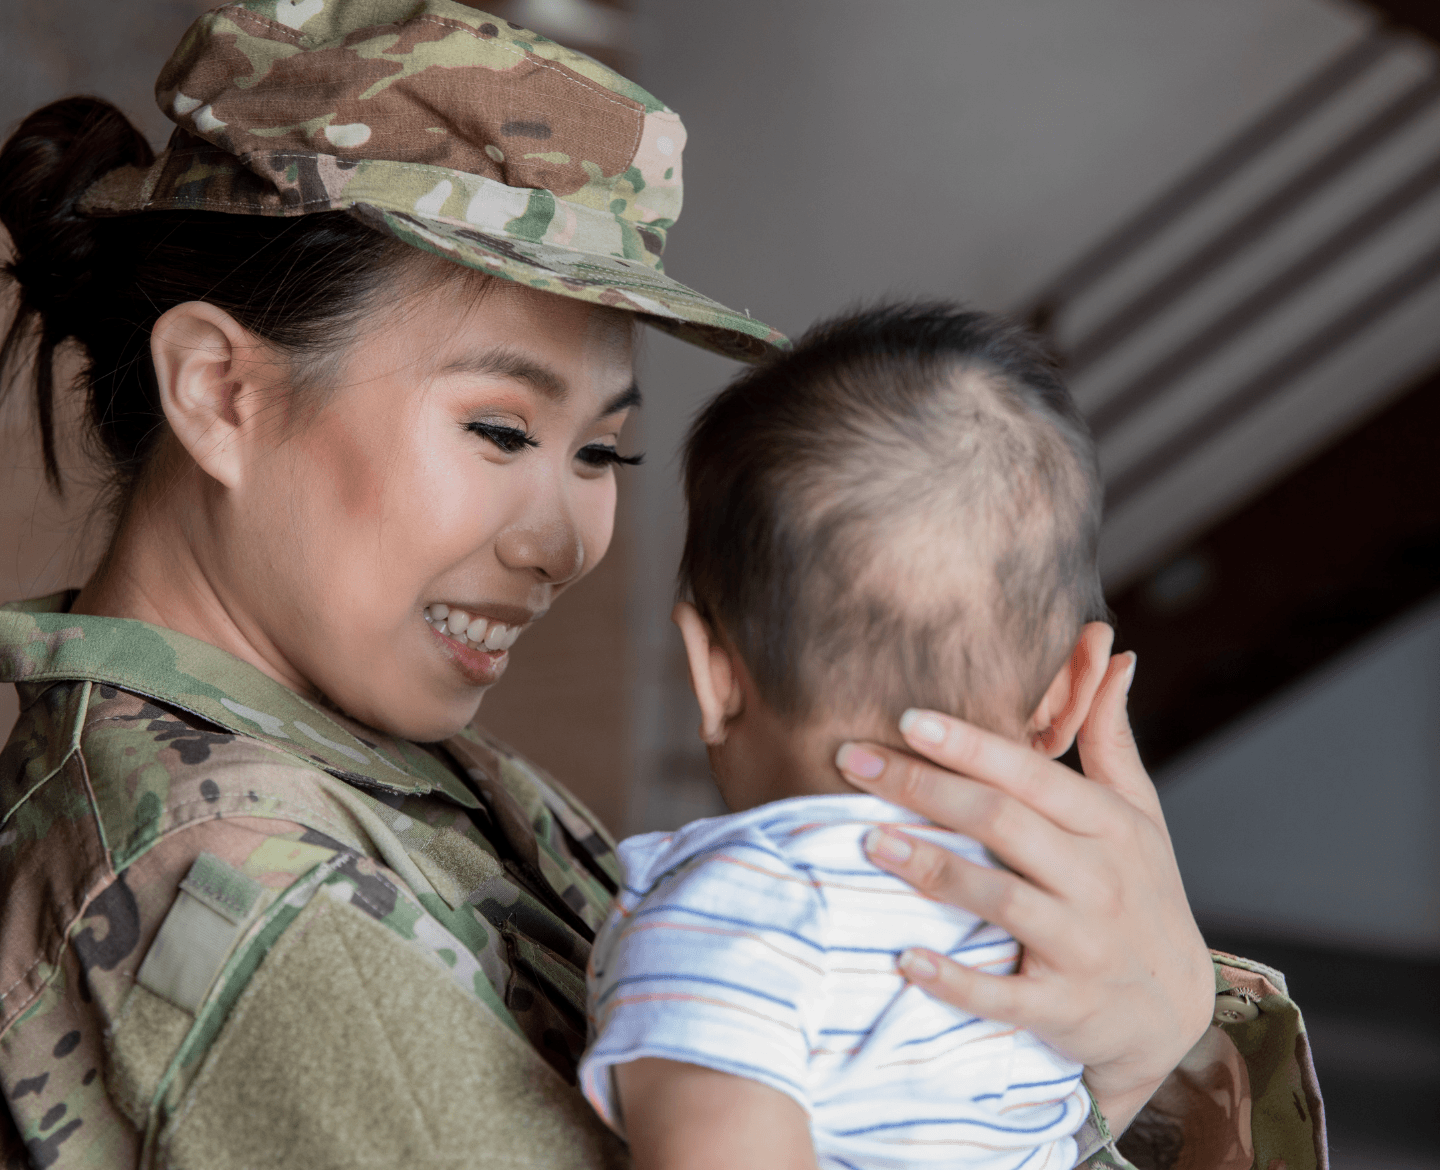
(566, 701)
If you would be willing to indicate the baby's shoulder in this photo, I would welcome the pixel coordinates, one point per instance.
(816, 840)
(792, 870)
(821, 830)
(783, 830)
(804, 842)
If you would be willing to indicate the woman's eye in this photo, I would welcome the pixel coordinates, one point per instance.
(508, 439)
(603, 455)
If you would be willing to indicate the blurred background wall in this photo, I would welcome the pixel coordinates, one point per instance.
(1225, 214)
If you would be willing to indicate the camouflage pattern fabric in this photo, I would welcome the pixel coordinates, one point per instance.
(139, 750)
(456, 132)
(1245, 1096)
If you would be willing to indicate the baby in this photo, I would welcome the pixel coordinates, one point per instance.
(900, 513)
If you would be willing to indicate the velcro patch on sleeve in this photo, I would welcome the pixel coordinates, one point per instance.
(215, 903)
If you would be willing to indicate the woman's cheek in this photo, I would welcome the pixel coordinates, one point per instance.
(342, 458)
(463, 518)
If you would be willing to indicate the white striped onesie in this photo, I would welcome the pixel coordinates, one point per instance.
(764, 944)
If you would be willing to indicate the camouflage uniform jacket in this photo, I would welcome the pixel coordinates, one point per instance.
(240, 930)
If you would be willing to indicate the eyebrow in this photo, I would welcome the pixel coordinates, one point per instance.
(506, 363)
(627, 398)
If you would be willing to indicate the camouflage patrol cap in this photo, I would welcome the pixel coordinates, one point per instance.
(451, 130)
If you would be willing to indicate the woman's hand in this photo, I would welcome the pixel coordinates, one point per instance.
(1114, 973)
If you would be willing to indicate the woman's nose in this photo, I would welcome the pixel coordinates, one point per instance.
(554, 551)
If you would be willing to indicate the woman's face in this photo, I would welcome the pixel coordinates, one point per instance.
(463, 473)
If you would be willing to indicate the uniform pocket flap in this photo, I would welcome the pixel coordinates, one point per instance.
(209, 915)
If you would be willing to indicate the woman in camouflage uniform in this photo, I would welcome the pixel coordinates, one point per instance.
(360, 351)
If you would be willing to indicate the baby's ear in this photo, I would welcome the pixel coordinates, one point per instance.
(1062, 711)
(712, 673)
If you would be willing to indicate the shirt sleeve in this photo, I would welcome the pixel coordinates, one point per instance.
(719, 965)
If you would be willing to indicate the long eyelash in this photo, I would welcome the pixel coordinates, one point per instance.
(602, 456)
(508, 439)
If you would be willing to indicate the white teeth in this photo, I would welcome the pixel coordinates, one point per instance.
(478, 631)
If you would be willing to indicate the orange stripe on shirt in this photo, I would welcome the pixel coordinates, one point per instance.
(813, 883)
(680, 997)
(1036, 1104)
(727, 933)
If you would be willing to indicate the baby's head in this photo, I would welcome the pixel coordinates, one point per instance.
(902, 511)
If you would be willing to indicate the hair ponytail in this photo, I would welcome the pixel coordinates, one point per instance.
(47, 164)
(300, 283)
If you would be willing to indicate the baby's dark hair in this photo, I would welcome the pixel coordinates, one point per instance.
(903, 510)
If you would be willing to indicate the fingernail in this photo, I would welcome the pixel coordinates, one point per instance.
(919, 967)
(1130, 677)
(922, 725)
(888, 846)
(858, 762)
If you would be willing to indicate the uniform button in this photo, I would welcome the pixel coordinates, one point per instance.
(1234, 1009)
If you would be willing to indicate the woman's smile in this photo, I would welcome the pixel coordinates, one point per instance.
(477, 644)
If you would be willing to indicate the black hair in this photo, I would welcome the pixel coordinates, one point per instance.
(299, 283)
(902, 510)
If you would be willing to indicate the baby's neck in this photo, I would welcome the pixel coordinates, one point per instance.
(765, 758)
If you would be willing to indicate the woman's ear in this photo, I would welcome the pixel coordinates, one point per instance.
(712, 674)
(206, 365)
(1066, 703)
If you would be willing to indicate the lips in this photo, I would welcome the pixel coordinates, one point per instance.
(477, 645)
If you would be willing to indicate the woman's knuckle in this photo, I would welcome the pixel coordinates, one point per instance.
(913, 783)
(953, 977)
(930, 869)
(966, 753)
(1008, 899)
(996, 816)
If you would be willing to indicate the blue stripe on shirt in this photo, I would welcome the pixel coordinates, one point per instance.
(1044, 1084)
(914, 1122)
(748, 923)
(723, 847)
(689, 1056)
(1071, 1080)
(619, 983)
(937, 1035)
(1025, 1159)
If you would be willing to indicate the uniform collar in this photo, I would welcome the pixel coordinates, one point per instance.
(42, 643)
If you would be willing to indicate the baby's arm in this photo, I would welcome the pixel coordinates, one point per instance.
(685, 1117)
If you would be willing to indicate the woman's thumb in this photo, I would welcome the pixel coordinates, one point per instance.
(1108, 753)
